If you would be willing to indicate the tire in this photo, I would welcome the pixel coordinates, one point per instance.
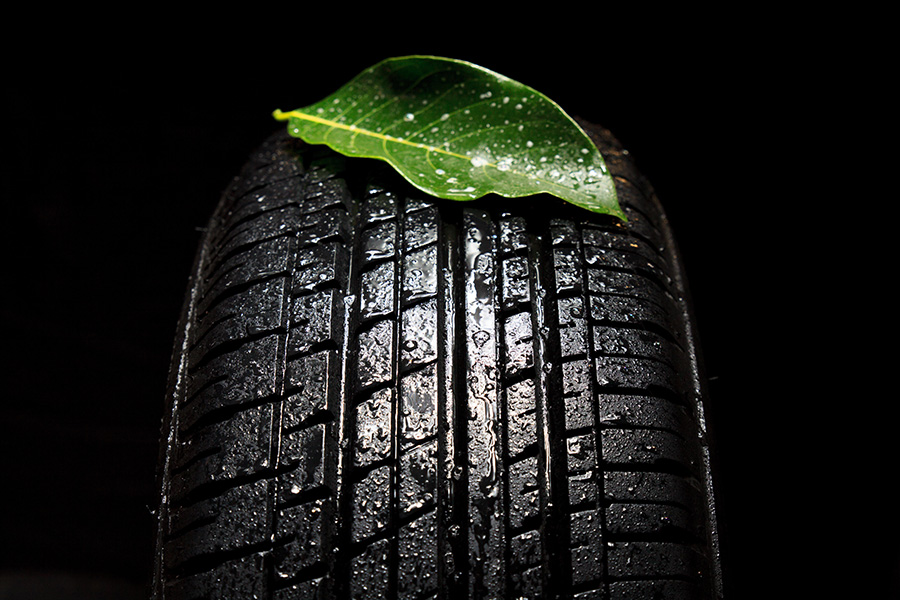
(379, 394)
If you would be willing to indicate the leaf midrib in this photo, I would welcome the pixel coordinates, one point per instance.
(283, 116)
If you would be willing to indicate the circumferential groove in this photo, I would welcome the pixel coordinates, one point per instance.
(453, 566)
(548, 394)
(395, 450)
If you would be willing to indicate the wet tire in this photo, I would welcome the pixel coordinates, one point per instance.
(378, 394)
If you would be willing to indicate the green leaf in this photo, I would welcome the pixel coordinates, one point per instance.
(459, 131)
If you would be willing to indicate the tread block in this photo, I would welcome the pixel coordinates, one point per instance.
(528, 583)
(577, 394)
(376, 354)
(303, 370)
(526, 549)
(255, 310)
(617, 250)
(418, 477)
(377, 291)
(417, 203)
(371, 504)
(370, 573)
(513, 235)
(651, 559)
(326, 188)
(420, 228)
(418, 405)
(603, 281)
(261, 226)
(573, 332)
(302, 526)
(315, 319)
(644, 411)
(567, 267)
(650, 486)
(420, 274)
(582, 488)
(676, 590)
(581, 453)
(643, 446)
(637, 373)
(260, 175)
(610, 341)
(518, 346)
(587, 564)
(234, 519)
(309, 381)
(417, 557)
(563, 233)
(257, 262)
(325, 224)
(582, 465)
(319, 265)
(306, 447)
(418, 343)
(372, 442)
(522, 413)
(516, 290)
(523, 491)
(238, 377)
(586, 528)
(380, 242)
(627, 310)
(379, 207)
(571, 311)
(233, 448)
(274, 195)
(238, 578)
(651, 519)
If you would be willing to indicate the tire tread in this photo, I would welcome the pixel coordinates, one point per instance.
(385, 395)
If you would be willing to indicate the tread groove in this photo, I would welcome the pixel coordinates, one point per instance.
(396, 442)
(600, 574)
(455, 568)
(337, 521)
(553, 497)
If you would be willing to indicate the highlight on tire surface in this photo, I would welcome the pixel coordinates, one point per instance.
(378, 394)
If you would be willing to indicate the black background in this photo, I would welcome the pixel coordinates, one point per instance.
(119, 140)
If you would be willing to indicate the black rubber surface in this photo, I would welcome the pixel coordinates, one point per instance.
(379, 394)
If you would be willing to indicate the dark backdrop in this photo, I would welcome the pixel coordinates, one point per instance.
(118, 143)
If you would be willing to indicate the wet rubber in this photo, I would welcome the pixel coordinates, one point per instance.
(378, 394)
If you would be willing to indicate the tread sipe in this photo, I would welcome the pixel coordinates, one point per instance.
(377, 394)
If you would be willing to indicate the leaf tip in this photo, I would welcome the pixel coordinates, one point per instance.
(614, 209)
